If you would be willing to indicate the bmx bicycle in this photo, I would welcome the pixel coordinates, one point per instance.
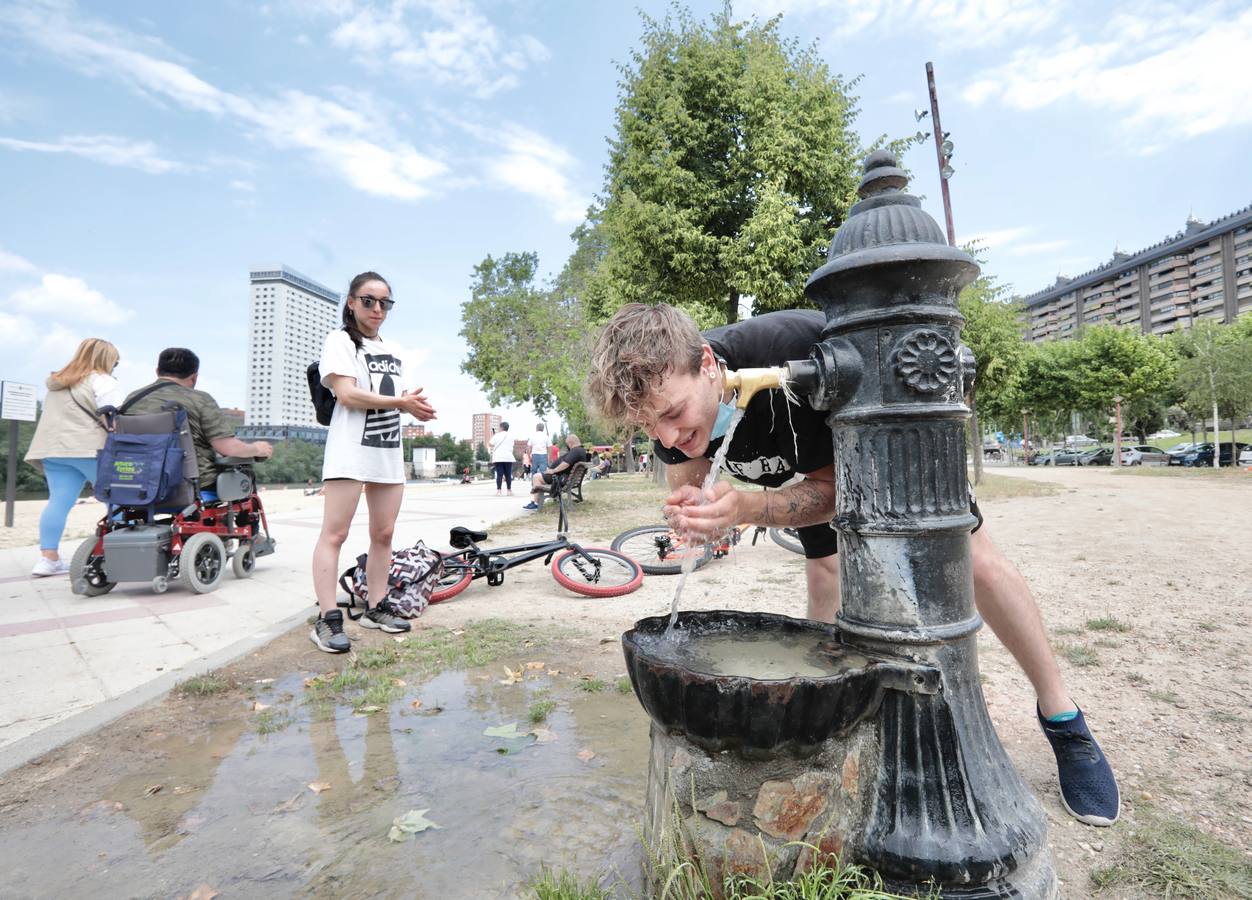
(590, 571)
(659, 550)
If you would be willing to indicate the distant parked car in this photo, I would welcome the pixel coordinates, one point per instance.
(1161, 435)
(1245, 458)
(1143, 455)
(1203, 455)
(1067, 457)
(1176, 454)
(1099, 457)
(1080, 440)
(1042, 458)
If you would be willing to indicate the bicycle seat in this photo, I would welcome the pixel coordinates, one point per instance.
(461, 537)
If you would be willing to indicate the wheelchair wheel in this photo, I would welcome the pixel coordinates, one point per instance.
(243, 563)
(659, 551)
(202, 562)
(87, 572)
(612, 575)
(787, 539)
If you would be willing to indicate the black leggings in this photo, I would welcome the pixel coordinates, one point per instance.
(504, 472)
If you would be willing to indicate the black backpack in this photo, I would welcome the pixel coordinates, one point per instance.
(323, 398)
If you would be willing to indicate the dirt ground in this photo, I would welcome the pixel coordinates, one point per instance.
(1144, 580)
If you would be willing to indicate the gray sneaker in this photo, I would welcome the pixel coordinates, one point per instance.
(328, 633)
(384, 618)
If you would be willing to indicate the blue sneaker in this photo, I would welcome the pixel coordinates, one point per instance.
(531, 505)
(1088, 787)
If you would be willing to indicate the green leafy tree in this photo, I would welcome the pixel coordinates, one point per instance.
(1215, 370)
(1047, 387)
(993, 330)
(734, 161)
(1113, 362)
(481, 453)
(528, 343)
(293, 462)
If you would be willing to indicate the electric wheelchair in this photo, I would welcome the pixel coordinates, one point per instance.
(158, 527)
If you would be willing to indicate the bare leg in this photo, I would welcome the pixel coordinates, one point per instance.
(340, 506)
(383, 501)
(1007, 606)
(822, 578)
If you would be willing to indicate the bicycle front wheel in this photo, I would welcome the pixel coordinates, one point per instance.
(608, 574)
(787, 538)
(659, 550)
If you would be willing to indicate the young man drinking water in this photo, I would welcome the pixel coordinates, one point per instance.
(652, 368)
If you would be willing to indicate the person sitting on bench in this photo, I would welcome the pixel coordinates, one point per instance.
(177, 371)
(542, 481)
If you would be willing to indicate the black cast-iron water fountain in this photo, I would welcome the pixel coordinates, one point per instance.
(881, 749)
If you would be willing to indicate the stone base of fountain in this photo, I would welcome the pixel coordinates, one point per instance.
(774, 817)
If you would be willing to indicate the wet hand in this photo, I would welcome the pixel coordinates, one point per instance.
(705, 515)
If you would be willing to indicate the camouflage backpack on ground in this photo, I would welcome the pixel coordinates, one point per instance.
(414, 573)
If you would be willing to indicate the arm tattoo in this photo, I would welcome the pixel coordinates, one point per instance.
(806, 503)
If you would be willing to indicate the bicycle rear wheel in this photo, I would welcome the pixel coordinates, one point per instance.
(609, 574)
(659, 550)
(787, 538)
(455, 578)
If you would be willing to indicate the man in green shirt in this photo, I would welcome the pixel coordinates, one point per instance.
(177, 372)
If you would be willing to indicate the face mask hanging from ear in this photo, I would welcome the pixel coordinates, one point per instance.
(725, 412)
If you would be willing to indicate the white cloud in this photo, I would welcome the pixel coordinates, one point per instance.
(11, 262)
(445, 41)
(358, 150)
(103, 148)
(241, 184)
(532, 164)
(1037, 248)
(1011, 242)
(64, 296)
(1171, 73)
(955, 23)
(997, 238)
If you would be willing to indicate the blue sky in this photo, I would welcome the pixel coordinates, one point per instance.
(151, 152)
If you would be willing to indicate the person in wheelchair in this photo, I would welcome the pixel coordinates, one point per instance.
(178, 370)
(542, 481)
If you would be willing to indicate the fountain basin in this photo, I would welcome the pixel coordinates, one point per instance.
(686, 693)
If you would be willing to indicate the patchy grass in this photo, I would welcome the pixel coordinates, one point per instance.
(1208, 627)
(1169, 858)
(623, 685)
(1003, 487)
(1107, 623)
(1136, 678)
(610, 506)
(593, 685)
(1066, 630)
(540, 710)
(1223, 717)
(1168, 697)
(1079, 655)
(205, 685)
(269, 721)
(566, 886)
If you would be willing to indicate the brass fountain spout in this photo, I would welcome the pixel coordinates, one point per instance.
(749, 381)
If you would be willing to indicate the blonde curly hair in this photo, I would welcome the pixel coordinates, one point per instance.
(634, 352)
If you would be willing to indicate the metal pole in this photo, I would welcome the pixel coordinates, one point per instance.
(1117, 438)
(1026, 448)
(938, 130)
(10, 476)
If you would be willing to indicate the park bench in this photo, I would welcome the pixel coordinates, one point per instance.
(571, 486)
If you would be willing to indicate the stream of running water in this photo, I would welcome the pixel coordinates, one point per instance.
(689, 562)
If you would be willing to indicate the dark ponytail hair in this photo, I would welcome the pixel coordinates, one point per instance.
(349, 320)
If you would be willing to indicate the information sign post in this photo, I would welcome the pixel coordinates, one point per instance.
(17, 404)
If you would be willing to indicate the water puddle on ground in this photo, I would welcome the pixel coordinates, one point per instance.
(234, 809)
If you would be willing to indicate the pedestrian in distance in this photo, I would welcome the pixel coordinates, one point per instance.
(69, 432)
(363, 455)
(539, 445)
(502, 458)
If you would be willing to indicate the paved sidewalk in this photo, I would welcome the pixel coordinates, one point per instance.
(69, 664)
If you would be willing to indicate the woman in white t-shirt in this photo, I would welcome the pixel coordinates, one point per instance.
(363, 455)
(66, 440)
(502, 457)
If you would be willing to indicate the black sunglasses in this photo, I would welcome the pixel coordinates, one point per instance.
(384, 302)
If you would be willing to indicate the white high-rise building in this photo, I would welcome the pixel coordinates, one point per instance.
(290, 318)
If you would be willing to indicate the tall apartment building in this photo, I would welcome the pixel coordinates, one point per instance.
(290, 317)
(485, 425)
(1203, 272)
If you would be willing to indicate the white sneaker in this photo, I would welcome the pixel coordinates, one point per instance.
(46, 567)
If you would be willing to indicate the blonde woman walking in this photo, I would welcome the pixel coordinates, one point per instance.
(66, 440)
